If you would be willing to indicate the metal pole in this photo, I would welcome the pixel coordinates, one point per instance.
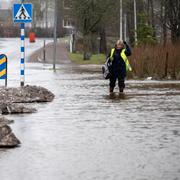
(46, 15)
(55, 34)
(125, 27)
(121, 19)
(44, 51)
(71, 43)
(135, 23)
(22, 69)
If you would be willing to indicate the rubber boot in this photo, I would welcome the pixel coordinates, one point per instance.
(111, 90)
(121, 90)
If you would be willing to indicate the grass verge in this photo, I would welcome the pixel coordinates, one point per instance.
(95, 59)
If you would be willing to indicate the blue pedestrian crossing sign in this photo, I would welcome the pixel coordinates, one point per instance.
(22, 13)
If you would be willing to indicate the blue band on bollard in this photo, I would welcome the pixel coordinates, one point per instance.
(3, 77)
(2, 56)
(22, 60)
(3, 66)
(22, 49)
(22, 72)
(22, 38)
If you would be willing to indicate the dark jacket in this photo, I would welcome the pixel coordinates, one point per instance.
(118, 64)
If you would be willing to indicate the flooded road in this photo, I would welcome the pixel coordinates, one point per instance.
(85, 134)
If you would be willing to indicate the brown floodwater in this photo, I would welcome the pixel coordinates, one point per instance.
(85, 134)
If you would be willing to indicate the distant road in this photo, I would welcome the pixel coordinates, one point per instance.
(11, 47)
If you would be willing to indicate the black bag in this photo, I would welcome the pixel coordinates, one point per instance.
(106, 69)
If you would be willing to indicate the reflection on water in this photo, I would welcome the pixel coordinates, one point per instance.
(86, 134)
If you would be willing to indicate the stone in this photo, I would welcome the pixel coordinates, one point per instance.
(3, 120)
(7, 137)
(12, 102)
(15, 109)
(10, 97)
(26, 94)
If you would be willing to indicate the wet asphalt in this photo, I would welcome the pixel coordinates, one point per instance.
(86, 134)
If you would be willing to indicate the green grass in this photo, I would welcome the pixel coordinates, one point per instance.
(95, 59)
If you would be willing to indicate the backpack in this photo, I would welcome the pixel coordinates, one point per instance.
(106, 69)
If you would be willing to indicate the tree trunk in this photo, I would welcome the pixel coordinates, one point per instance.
(174, 37)
(164, 22)
(94, 47)
(103, 43)
(148, 11)
(173, 14)
(46, 15)
(60, 31)
(152, 17)
(86, 47)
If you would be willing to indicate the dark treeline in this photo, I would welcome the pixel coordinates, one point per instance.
(97, 27)
(156, 48)
(157, 20)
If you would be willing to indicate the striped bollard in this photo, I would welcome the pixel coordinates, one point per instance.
(3, 67)
(22, 71)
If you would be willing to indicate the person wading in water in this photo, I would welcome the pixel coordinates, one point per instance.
(120, 65)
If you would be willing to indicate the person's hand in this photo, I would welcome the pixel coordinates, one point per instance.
(124, 42)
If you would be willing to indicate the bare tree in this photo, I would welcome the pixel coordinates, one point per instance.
(91, 17)
(172, 15)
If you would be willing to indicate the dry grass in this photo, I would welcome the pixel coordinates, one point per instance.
(156, 61)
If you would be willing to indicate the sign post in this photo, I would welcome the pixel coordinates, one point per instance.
(55, 35)
(22, 54)
(22, 13)
(3, 68)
